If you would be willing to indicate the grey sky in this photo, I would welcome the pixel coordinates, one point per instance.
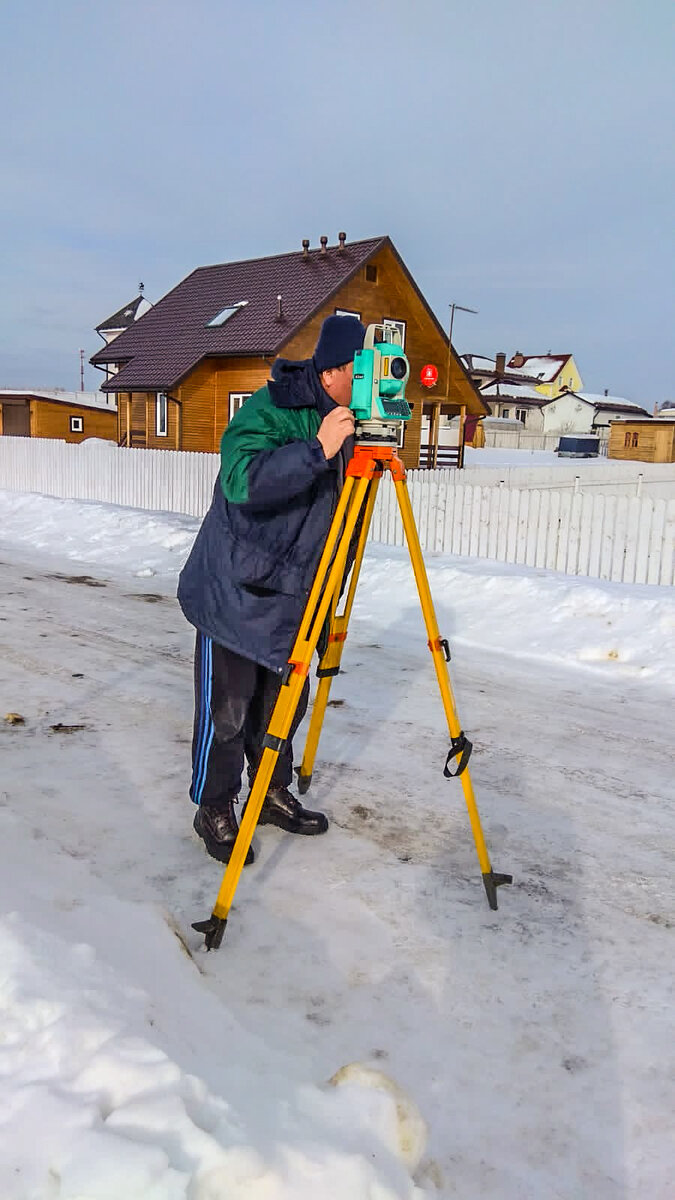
(519, 154)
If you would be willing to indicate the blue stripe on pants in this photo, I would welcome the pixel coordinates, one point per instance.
(205, 718)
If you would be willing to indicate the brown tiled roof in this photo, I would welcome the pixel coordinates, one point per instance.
(160, 349)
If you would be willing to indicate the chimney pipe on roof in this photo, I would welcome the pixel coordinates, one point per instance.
(342, 238)
(280, 311)
(305, 247)
(500, 364)
(324, 243)
(607, 391)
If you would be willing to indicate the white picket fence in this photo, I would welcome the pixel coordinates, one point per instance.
(619, 538)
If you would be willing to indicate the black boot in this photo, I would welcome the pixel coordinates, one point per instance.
(218, 829)
(281, 808)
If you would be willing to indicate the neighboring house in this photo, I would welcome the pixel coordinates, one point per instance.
(646, 440)
(120, 321)
(516, 401)
(189, 363)
(72, 416)
(586, 412)
(552, 373)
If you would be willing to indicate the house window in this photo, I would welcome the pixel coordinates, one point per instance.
(77, 424)
(225, 313)
(400, 325)
(236, 401)
(161, 415)
(371, 273)
(521, 414)
(626, 440)
(347, 312)
(506, 412)
(400, 436)
(635, 439)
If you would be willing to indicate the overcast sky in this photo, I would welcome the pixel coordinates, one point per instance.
(519, 154)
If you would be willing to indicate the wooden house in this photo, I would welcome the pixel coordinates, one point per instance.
(184, 367)
(645, 439)
(70, 416)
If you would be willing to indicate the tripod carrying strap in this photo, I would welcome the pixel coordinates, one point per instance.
(459, 745)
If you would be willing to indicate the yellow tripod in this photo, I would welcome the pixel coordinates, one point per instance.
(357, 499)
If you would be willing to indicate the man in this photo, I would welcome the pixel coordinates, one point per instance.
(246, 582)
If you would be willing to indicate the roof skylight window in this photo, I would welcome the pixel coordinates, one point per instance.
(225, 314)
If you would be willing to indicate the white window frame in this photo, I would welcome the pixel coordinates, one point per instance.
(161, 414)
(236, 400)
(347, 312)
(506, 412)
(521, 414)
(400, 437)
(400, 325)
(77, 424)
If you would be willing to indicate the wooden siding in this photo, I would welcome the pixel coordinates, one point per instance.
(655, 441)
(205, 398)
(51, 419)
(235, 375)
(197, 396)
(144, 422)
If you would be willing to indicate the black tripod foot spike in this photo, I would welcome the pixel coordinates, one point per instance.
(213, 930)
(492, 880)
(303, 783)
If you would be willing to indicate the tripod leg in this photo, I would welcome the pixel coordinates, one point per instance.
(461, 747)
(332, 564)
(329, 666)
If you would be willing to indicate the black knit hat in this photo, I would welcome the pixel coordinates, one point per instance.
(338, 342)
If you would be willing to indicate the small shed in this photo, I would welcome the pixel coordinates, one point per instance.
(645, 440)
(71, 416)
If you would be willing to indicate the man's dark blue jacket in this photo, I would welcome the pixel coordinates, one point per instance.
(250, 570)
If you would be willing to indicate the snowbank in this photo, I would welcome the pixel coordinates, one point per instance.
(107, 1036)
(625, 629)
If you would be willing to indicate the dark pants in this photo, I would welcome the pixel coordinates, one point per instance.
(234, 698)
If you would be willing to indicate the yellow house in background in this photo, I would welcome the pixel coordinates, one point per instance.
(552, 374)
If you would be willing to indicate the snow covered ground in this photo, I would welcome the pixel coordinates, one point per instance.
(535, 1041)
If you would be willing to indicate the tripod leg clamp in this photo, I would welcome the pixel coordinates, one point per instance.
(273, 743)
(440, 643)
(459, 745)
